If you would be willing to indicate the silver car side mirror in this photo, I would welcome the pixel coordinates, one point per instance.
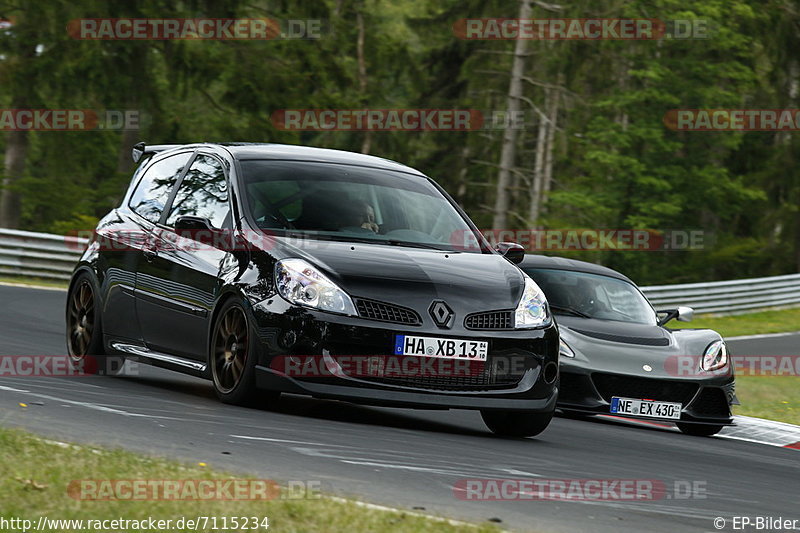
(681, 314)
(685, 314)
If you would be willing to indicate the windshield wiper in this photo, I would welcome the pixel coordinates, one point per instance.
(570, 310)
(365, 240)
(409, 244)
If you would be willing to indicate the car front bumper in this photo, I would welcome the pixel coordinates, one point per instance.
(704, 401)
(289, 333)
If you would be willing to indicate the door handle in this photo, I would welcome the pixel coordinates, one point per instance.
(149, 255)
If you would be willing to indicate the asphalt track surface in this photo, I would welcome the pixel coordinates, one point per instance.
(396, 457)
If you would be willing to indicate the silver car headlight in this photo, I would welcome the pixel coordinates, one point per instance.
(564, 349)
(301, 283)
(715, 356)
(532, 310)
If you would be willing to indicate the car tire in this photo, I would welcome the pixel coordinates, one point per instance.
(516, 423)
(232, 357)
(699, 430)
(84, 333)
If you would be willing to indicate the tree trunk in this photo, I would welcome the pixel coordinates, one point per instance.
(552, 116)
(125, 161)
(20, 84)
(538, 168)
(16, 152)
(793, 90)
(366, 143)
(461, 191)
(508, 152)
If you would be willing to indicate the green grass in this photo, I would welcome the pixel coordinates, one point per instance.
(778, 321)
(770, 397)
(37, 472)
(27, 280)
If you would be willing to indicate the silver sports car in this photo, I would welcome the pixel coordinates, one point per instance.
(618, 357)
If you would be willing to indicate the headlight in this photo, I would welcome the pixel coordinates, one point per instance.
(532, 311)
(302, 284)
(564, 349)
(715, 356)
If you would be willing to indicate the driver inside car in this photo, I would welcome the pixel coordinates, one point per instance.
(361, 215)
(368, 217)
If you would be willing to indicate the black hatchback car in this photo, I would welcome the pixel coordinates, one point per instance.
(273, 268)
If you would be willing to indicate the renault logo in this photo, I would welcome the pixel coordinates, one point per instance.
(441, 314)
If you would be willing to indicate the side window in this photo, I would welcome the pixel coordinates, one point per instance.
(153, 190)
(202, 193)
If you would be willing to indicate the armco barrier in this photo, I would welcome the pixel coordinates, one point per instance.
(40, 255)
(735, 296)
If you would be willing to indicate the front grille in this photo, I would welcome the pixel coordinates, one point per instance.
(384, 312)
(609, 385)
(490, 320)
(645, 341)
(711, 402)
(479, 377)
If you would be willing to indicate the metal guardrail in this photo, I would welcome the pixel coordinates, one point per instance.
(40, 255)
(729, 297)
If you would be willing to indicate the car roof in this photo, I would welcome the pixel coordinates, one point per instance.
(249, 151)
(562, 263)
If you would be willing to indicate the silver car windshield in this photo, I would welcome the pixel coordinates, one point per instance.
(593, 296)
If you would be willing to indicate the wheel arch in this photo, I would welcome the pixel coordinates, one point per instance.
(226, 294)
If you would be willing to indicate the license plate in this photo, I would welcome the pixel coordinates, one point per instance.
(648, 408)
(444, 348)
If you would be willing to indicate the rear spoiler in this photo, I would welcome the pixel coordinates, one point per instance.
(141, 149)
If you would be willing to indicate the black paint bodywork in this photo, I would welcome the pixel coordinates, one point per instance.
(159, 303)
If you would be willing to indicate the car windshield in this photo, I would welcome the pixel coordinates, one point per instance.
(350, 203)
(593, 296)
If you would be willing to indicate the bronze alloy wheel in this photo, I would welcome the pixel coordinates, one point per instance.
(230, 349)
(80, 320)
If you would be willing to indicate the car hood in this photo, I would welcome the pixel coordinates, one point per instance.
(414, 277)
(625, 348)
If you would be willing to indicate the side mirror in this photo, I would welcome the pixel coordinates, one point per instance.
(187, 224)
(137, 152)
(511, 251)
(685, 314)
(681, 314)
(200, 229)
